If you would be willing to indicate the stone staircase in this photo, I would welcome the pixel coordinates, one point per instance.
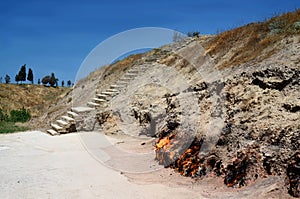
(73, 119)
(70, 122)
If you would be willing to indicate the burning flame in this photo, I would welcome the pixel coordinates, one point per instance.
(163, 142)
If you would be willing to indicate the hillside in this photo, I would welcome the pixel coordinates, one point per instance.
(224, 106)
(255, 41)
(35, 98)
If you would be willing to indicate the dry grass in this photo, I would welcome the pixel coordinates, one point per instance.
(255, 40)
(123, 64)
(36, 98)
(111, 73)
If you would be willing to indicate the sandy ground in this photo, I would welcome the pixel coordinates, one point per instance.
(36, 165)
(92, 165)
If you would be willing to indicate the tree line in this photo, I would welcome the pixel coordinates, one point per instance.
(21, 76)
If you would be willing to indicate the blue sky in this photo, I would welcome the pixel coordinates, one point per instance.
(56, 36)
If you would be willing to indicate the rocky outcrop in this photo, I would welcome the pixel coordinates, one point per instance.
(260, 133)
(240, 124)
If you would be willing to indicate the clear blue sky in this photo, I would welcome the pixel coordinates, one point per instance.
(57, 35)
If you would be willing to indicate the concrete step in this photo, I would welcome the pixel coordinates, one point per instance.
(123, 83)
(115, 86)
(102, 96)
(112, 90)
(143, 66)
(68, 119)
(130, 75)
(62, 123)
(52, 132)
(56, 127)
(81, 109)
(124, 79)
(92, 104)
(134, 70)
(108, 93)
(142, 69)
(72, 114)
(98, 100)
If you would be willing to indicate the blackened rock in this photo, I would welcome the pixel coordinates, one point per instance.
(293, 173)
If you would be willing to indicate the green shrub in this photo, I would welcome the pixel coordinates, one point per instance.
(295, 28)
(3, 116)
(277, 27)
(297, 25)
(21, 115)
(10, 127)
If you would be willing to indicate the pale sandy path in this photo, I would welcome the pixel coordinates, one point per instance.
(35, 165)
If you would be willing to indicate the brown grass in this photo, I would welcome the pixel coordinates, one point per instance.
(249, 42)
(111, 73)
(36, 98)
(123, 64)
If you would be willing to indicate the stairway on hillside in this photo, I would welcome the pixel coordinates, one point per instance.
(75, 118)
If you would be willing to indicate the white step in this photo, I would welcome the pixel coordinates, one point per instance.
(108, 93)
(101, 96)
(98, 100)
(56, 127)
(125, 79)
(134, 71)
(143, 66)
(92, 104)
(112, 90)
(52, 132)
(114, 86)
(82, 109)
(131, 74)
(62, 123)
(68, 119)
(72, 114)
(122, 82)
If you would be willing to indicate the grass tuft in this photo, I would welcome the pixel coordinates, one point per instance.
(10, 127)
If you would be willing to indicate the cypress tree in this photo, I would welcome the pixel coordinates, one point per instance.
(30, 76)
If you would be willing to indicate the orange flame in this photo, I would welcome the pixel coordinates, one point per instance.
(163, 142)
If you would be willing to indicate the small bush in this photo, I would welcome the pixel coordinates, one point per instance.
(297, 25)
(295, 28)
(276, 27)
(3, 116)
(7, 124)
(21, 115)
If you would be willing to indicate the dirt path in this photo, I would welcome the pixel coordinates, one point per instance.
(35, 165)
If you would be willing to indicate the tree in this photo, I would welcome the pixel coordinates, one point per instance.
(193, 34)
(69, 83)
(53, 80)
(46, 80)
(22, 73)
(196, 34)
(17, 78)
(39, 81)
(7, 79)
(0, 79)
(30, 76)
(62, 83)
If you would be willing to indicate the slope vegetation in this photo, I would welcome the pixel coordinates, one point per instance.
(35, 98)
(253, 42)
